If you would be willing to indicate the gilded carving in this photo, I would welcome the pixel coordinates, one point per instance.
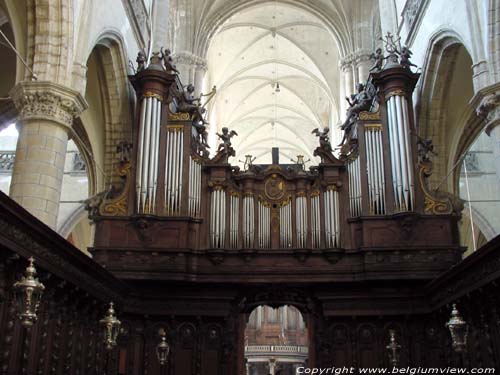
(274, 187)
(437, 203)
(118, 206)
(365, 115)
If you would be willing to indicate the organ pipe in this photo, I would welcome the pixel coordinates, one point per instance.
(286, 225)
(248, 221)
(148, 152)
(234, 217)
(315, 221)
(264, 225)
(355, 195)
(301, 220)
(401, 162)
(332, 217)
(173, 171)
(217, 218)
(194, 193)
(375, 169)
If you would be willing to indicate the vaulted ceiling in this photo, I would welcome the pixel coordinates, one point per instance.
(253, 45)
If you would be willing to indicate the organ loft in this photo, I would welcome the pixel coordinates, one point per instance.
(203, 264)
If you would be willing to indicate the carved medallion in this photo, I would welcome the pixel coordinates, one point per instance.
(274, 187)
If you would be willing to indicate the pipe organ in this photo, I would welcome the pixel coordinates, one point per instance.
(206, 242)
(186, 200)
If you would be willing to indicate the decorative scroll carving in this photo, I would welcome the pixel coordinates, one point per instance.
(437, 202)
(118, 206)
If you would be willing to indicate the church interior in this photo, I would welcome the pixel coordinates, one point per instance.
(249, 187)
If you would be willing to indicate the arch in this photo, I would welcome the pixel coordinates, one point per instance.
(108, 57)
(448, 64)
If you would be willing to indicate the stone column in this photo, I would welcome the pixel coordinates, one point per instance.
(348, 85)
(363, 64)
(192, 69)
(199, 75)
(490, 109)
(46, 113)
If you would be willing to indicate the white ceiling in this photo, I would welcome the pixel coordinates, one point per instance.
(253, 50)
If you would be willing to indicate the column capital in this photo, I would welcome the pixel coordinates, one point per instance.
(190, 59)
(45, 100)
(489, 108)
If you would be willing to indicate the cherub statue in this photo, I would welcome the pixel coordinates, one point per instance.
(324, 140)
(141, 61)
(225, 137)
(404, 58)
(379, 58)
(425, 147)
(123, 149)
(168, 62)
(92, 204)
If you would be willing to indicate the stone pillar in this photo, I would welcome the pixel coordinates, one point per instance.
(348, 78)
(490, 109)
(192, 69)
(363, 64)
(46, 113)
(199, 75)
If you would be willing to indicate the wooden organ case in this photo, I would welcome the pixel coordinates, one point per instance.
(203, 241)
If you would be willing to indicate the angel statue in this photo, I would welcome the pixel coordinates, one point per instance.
(379, 58)
(404, 58)
(324, 140)
(225, 137)
(168, 61)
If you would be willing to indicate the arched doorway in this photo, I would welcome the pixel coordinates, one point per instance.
(276, 341)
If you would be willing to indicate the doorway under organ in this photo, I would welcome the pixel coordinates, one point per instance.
(276, 341)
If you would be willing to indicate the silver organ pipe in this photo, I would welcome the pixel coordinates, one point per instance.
(147, 160)
(301, 221)
(401, 164)
(234, 218)
(264, 221)
(375, 169)
(286, 224)
(218, 218)
(140, 156)
(315, 221)
(194, 195)
(173, 170)
(332, 217)
(354, 174)
(406, 130)
(248, 221)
